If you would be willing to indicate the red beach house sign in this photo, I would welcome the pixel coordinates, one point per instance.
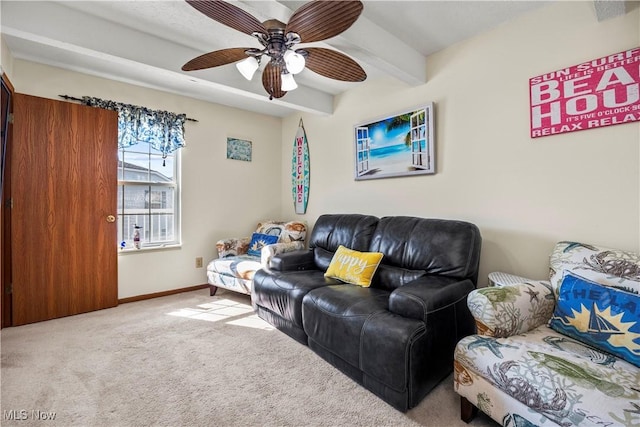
(597, 93)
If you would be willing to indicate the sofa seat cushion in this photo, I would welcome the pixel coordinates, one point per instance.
(239, 266)
(281, 292)
(561, 379)
(354, 324)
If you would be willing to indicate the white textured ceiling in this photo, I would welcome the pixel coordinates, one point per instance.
(147, 42)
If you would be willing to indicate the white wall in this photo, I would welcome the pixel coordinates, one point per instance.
(524, 194)
(6, 58)
(220, 198)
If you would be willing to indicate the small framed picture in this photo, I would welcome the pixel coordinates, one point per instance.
(398, 145)
(238, 149)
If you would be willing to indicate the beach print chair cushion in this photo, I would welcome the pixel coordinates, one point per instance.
(545, 378)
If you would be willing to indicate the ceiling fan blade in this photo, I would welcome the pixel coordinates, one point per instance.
(229, 15)
(334, 65)
(272, 81)
(320, 20)
(216, 58)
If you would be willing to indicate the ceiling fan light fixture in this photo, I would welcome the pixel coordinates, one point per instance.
(312, 22)
(288, 83)
(294, 61)
(248, 67)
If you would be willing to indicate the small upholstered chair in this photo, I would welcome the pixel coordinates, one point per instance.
(239, 258)
(562, 352)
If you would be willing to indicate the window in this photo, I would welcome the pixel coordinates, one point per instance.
(148, 173)
(363, 149)
(148, 188)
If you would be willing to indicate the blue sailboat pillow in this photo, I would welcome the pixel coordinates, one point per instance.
(601, 316)
(258, 241)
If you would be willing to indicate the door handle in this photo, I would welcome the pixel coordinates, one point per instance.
(111, 218)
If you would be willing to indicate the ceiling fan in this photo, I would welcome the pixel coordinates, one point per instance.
(312, 22)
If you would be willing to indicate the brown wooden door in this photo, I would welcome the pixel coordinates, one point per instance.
(64, 187)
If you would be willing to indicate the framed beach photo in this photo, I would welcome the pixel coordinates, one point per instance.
(398, 145)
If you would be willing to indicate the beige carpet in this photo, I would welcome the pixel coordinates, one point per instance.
(187, 360)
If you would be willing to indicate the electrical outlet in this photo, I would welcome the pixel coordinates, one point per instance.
(199, 262)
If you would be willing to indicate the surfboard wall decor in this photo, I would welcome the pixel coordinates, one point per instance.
(300, 171)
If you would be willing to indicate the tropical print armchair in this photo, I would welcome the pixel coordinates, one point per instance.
(239, 258)
(559, 352)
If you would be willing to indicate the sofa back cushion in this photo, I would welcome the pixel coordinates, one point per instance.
(353, 231)
(287, 232)
(609, 267)
(436, 246)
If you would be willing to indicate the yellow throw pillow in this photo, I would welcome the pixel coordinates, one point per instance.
(353, 267)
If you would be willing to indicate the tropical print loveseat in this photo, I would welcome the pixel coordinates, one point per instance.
(559, 352)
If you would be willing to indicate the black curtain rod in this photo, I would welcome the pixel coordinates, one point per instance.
(80, 100)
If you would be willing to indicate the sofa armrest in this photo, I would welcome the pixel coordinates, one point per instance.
(233, 246)
(428, 294)
(293, 261)
(503, 311)
(269, 251)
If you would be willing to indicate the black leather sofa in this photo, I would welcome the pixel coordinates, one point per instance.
(397, 337)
